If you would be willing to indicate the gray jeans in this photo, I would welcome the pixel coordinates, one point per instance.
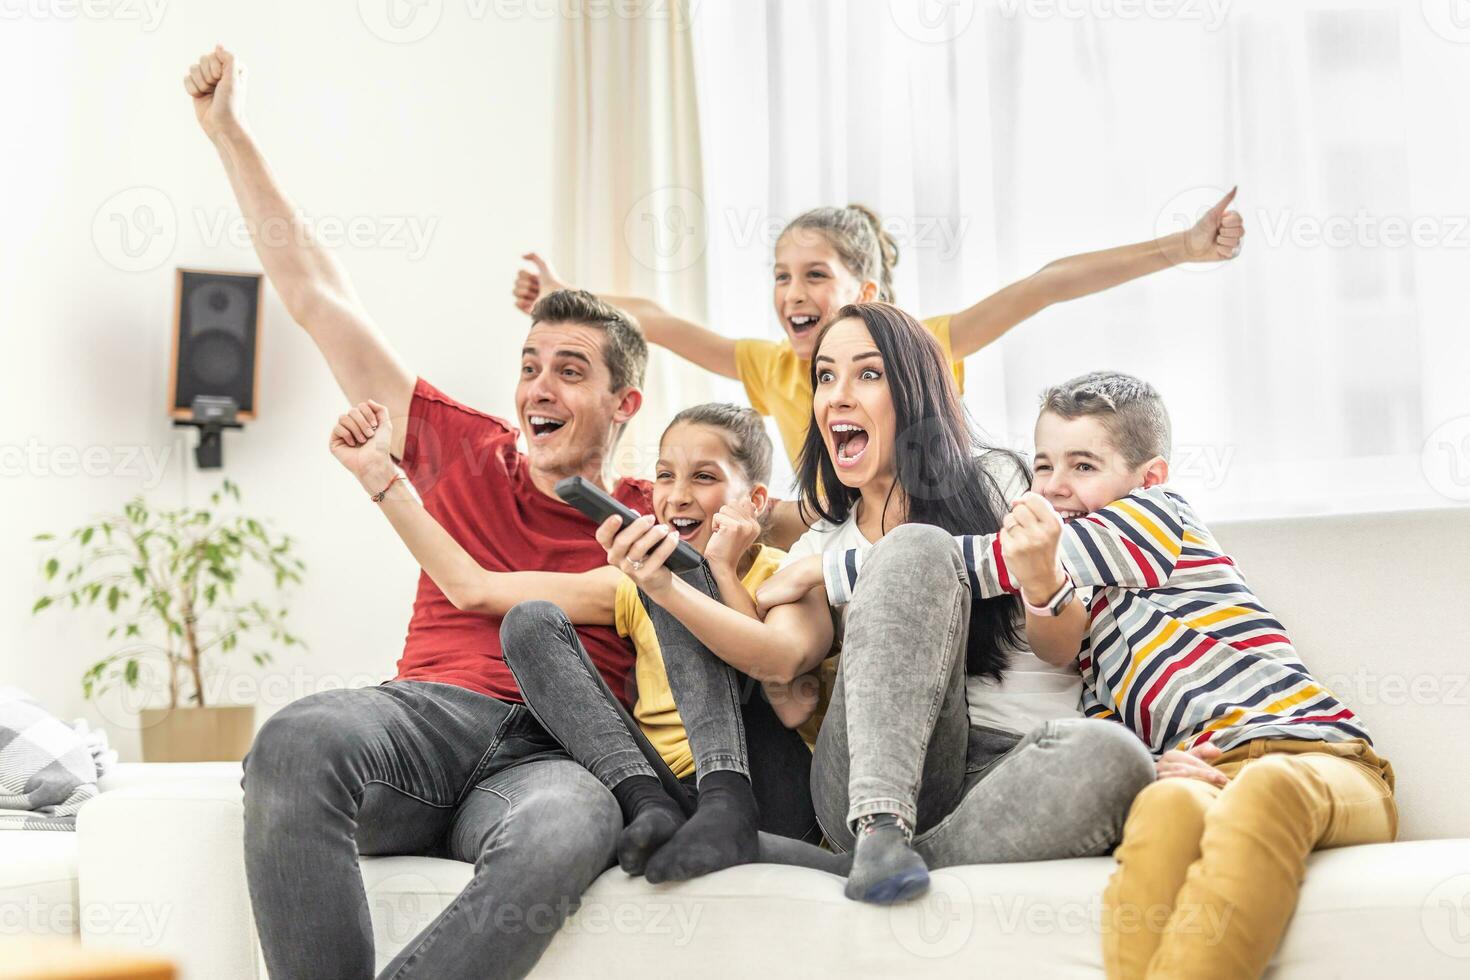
(410, 767)
(897, 737)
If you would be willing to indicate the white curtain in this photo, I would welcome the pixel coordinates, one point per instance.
(629, 215)
(1324, 370)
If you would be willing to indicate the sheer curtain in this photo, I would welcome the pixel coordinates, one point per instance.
(629, 218)
(1324, 370)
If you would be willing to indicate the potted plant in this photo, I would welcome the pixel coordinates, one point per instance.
(169, 578)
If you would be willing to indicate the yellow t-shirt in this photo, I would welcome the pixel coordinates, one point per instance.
(778, 383)
(655, 710)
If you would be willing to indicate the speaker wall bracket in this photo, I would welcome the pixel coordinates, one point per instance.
(211, 416)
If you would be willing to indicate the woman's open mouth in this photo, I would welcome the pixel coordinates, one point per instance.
(850, 441)
(687, 527)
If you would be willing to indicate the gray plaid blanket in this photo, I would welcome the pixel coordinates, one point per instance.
(47, 767)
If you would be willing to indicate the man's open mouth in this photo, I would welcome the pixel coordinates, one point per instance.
(850, 440)
(542, 425)
(687, 527)
(803, 322)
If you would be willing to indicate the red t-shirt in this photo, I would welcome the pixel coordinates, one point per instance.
(473, 479)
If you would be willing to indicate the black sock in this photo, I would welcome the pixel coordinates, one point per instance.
(650, 818)
(721, 834)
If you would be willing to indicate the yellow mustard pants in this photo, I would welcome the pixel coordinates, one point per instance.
(1208, 876)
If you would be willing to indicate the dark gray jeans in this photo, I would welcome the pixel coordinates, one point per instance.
(897, 737)
(410, 767)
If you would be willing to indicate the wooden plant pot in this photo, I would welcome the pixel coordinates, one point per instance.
(220, 733)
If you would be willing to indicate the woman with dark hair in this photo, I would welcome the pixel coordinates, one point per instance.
(925, 756)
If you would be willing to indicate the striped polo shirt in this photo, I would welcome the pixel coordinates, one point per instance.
(1178, 647)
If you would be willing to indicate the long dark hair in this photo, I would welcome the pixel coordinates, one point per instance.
(937, 460)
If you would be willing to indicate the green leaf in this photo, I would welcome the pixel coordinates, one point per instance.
(46, 536)
(141, 574)
(87, 535)
(41, 603)
(130, 673)
(113, 595)
(52, 567)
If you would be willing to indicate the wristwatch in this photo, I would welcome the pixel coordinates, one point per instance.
(1058, 602)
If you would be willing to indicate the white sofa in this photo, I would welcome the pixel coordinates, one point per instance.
(1376, 604)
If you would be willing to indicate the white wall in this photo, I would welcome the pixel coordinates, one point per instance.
(450, 131)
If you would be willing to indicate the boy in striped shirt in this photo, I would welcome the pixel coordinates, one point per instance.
(1258, 763)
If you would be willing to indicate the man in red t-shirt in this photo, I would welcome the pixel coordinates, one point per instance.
(444, 759)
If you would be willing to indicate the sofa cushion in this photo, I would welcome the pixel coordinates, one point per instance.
(1380, 910)
(38, 883)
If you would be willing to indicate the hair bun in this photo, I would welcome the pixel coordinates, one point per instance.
(887, 248)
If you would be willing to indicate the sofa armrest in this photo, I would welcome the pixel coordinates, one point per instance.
(161, 870)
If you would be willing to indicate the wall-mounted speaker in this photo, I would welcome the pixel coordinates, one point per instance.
(216, 341)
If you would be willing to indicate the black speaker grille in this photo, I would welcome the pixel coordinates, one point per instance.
(218, 317)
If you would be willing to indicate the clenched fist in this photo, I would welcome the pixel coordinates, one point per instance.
(1029, 537)
(531, 286)
(217, 83)
(362, 441)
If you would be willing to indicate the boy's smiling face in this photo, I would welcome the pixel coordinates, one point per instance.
(1079, 470)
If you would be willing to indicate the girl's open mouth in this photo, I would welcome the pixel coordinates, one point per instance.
(687, 527)
(850, 440)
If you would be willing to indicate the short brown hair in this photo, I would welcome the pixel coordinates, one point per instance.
(1130, 409)
(626, 352)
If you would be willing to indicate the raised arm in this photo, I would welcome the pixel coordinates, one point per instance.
(711, 351)
(311, 283)
(1214, 238)
(360, 442)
